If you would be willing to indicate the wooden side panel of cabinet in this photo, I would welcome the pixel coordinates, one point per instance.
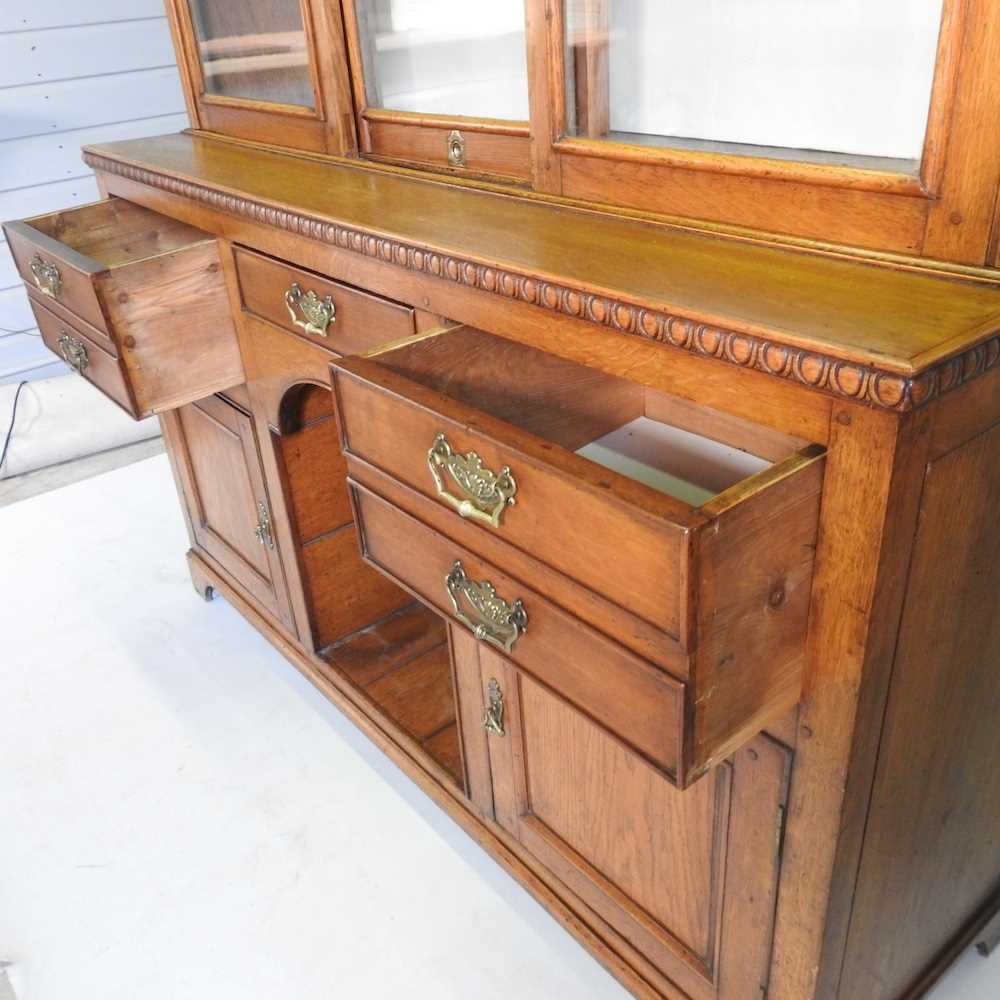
(931, 858)
(688, 878)
(218, 467)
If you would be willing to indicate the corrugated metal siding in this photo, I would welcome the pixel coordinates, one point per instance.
(71, 72)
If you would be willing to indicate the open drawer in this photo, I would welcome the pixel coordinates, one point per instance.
(693, 524)
(146, 288)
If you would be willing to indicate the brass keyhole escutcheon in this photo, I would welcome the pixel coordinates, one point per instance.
(263, 530)
(493, 717)
(456, 148)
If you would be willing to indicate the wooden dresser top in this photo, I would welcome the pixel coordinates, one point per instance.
(649, 278)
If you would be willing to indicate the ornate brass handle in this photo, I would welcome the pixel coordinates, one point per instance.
(317, 314)
(74, 352)
(263, 529)
(46, 275)
(485, 494)
(493, 716)
(490, 617)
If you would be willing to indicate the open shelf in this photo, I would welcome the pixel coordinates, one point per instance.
(403, 664)
(362, 625)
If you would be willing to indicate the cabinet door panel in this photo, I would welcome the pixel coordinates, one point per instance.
(227, 499)
(687, 877)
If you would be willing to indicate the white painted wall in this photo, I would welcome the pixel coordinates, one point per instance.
(71, 72)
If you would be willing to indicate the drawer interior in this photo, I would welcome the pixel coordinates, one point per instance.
(679, 449)
(116, 232)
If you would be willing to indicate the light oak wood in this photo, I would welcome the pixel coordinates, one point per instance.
(325, 125)
(943, 208)
(898, 321)
(734, 634)
(840, 601)
(919, 810)
(361, 321)
(403, 663)
(496, 154)
(219, 474)
(646, 712)
(99, 368)
(148, 288)
(580, 804)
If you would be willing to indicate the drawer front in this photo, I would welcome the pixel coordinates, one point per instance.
(100, 337)
(85, 357)
(486, 431)
(632, 559)
(57, 272)
(637, 635)
(638, 704)
(341, 318)
(147, 288)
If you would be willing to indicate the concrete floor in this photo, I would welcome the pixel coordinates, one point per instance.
(185, 817)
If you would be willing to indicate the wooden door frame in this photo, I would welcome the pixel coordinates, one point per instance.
(498, 149)
(326, 128)
(946, 212)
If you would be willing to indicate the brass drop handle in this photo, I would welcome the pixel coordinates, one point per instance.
(47, 277)
(74, 352)
(477, 606)
(493, 716)
(263, 529)
(308, 311)
(483, 495)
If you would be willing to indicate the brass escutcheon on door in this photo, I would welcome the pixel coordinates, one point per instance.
(74, 352)
(263, 529)
(47, 277)
(489, 616)
(493, 716)
(456, 148)
(308, 311)
(485, 494)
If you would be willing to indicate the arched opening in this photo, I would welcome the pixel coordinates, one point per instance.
(362, 625)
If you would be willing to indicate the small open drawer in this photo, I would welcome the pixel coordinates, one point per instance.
(147, 288)
(701, 526)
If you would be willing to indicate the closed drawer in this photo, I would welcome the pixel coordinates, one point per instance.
(701, 527)
(150, 289)
(639, 704)
(341, 318)
(84, 356)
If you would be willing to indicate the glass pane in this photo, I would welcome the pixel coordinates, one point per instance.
(446, 57)
(255, 50)
(797, 79)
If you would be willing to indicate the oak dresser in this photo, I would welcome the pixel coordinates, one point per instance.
(630, 478)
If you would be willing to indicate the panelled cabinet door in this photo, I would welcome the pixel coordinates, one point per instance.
(688, 877)
(227, 500)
